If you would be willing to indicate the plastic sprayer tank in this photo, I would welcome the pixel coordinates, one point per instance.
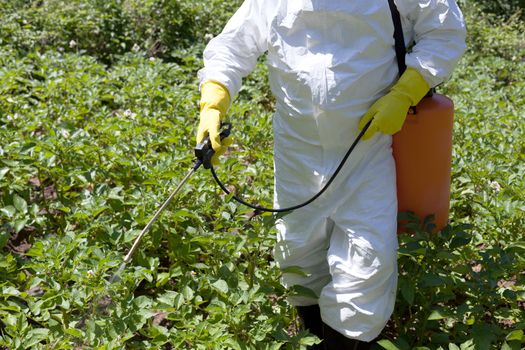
(423, 154)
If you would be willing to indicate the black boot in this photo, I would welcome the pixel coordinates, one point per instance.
(311, 316)
(333, 340)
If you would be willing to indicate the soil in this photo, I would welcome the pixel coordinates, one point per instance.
(20, 242)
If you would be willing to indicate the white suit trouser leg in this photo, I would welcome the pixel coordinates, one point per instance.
(346, 245)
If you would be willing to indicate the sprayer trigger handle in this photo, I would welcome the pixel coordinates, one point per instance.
(226, 129)
(204, 151)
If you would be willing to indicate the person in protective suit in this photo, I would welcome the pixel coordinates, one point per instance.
(332, 68)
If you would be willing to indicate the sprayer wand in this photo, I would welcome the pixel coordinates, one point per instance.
(203, 152)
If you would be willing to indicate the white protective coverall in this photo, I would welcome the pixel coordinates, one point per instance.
(329, 60)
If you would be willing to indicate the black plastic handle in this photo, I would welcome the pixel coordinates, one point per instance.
(204, 151)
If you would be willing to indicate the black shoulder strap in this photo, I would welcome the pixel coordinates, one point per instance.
(401, 50)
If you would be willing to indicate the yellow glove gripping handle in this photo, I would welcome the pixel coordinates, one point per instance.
(389, 112)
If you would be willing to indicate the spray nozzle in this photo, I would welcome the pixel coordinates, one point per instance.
(204, 150)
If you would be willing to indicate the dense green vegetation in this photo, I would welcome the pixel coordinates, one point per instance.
(502, 8)
(98, 109)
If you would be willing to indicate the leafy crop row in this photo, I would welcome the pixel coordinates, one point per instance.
(501, 8)
(106, 29)
(87, 155)
(93, 136)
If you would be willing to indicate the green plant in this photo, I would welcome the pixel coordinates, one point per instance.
(108, 29)
(93, 137)
(454, 290)
(502, 8)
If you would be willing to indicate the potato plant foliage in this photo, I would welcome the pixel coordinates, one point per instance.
(98, 111)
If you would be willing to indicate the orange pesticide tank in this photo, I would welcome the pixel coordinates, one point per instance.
(423, 154)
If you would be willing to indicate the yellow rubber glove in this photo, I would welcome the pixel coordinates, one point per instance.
(389, 112)
(215, 101)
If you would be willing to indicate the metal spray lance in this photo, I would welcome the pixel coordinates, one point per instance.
(204, 153)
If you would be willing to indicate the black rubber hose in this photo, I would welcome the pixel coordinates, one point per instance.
(295, 207)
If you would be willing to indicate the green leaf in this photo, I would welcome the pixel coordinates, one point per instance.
(9, 211)
(388, 345)
(517, 245)
(221, 286)
(20, 204)
(200, 266)
(484, 335)
(431, 280)
(98, 211)
(168, 298)
(19, 225)
(35, 336)
(10, 291)
(182, 213)
(64, 209)
(459, 241)
(74, 332)
(11, 163)
(436, 315)
(178, 301)
(310, 340)
(3, 171)
(37, 250)
(408, 216)
(506, 346)
(131, 235)
(142, 302)
(469, 345)
(12, 308)
(187, 293)
(302, 291)
(4, 238)
(295, 270)
(408, 291)
(515, 335)
(162, 279)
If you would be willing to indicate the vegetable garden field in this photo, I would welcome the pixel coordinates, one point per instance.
(98, 114)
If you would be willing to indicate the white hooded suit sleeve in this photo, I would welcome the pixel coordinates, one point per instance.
(233, 54)
(439, 32)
